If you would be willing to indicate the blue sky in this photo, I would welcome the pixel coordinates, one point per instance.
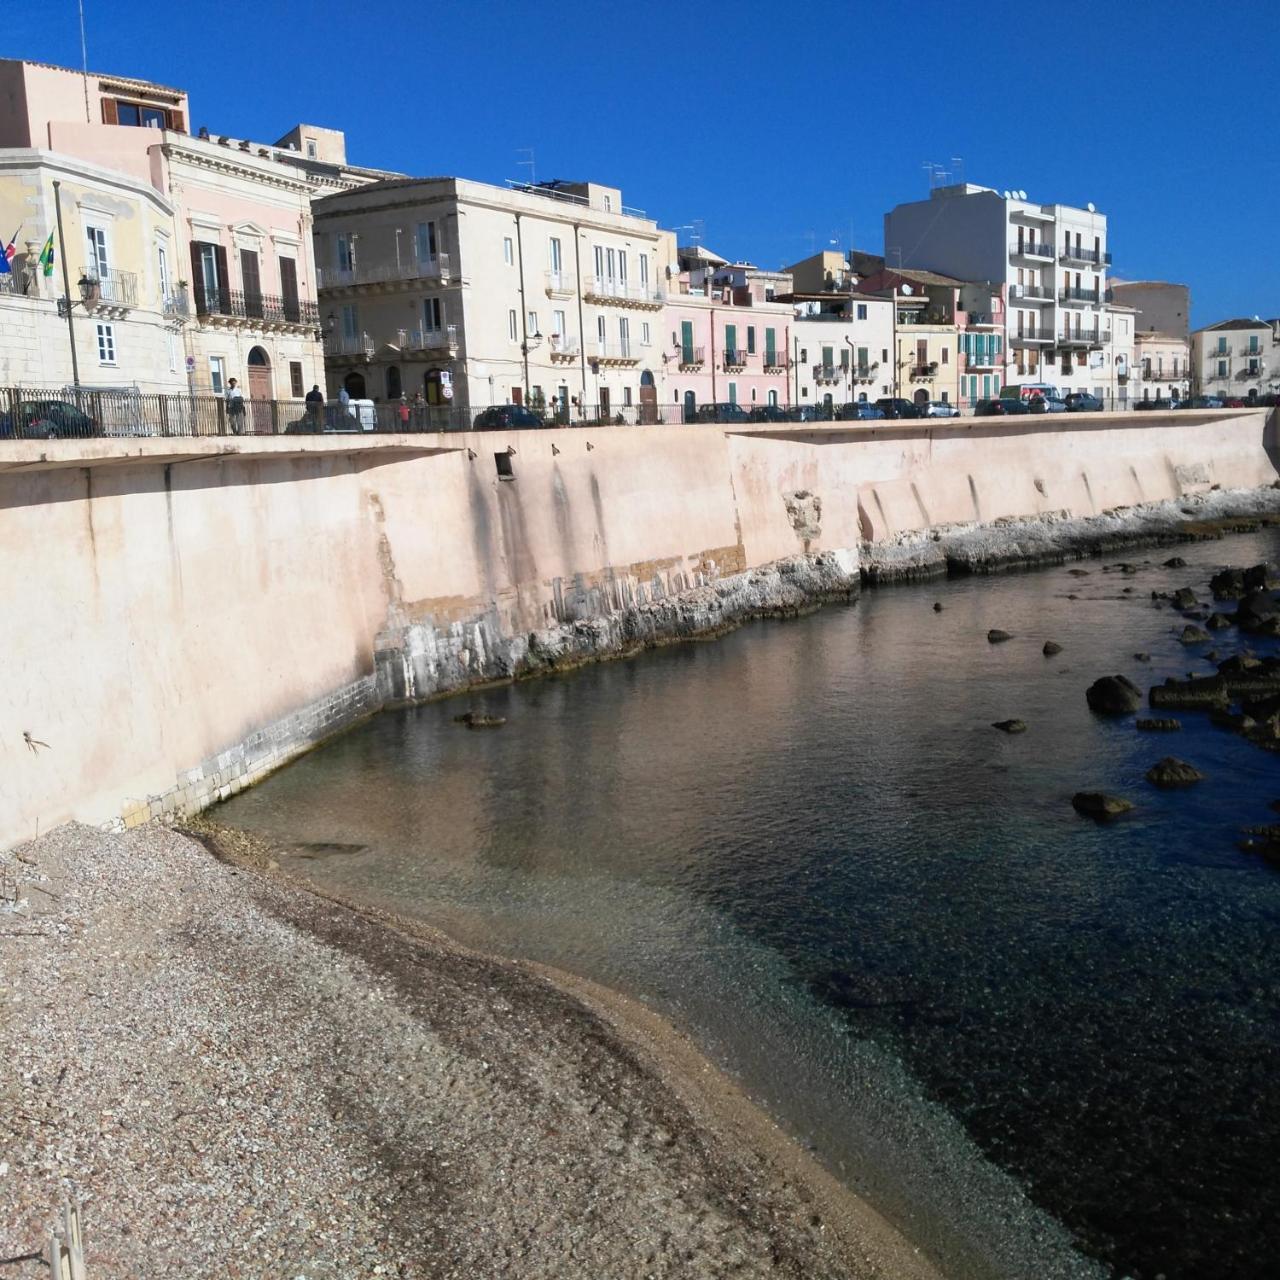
(778, 128)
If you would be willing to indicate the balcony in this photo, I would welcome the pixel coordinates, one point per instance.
(1246, 373)
(344, 346)
(691, 358)
(613, 353)
(432, 342)
(1030, 335)
(621, 293)
(383, 277)
(980, 320)
(985, 360)
(176, 305)
(1038, 249)
(1030, 293)
(1092, 297)
(775, 361)
(735, 361)
(108, 292)
(921, 371)
(865, 372)
(236, 309)
(563, 350)
(1084, 338)
(560, 284)
(1089, 257)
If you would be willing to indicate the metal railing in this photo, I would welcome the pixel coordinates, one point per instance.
(443, 339)
(560, 282)
(115, 288)
(268, 308)
(1032, 249)
(1080, 295)
(1032, 333)
(928, 370)
(613, 289)
(775, 360)
(1084, 337)
(563, 348)
(177, 303)
(344, 344)
(735, 358)
(1093, 257)
(1030, 293)
(437, 268)
(621, 351)
(691, 356)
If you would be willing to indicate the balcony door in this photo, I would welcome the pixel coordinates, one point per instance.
(260, 398)
(252, 281)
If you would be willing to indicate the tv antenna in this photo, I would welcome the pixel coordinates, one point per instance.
(520, 164)
(957, 167)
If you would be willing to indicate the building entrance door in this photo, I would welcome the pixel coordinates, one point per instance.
(648, 398)
(260, 403)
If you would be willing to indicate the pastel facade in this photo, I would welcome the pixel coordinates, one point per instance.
(1049, 260)
(1236, 358)
(476, 295)
(843, 348)
(225, 254)
(1162, 366)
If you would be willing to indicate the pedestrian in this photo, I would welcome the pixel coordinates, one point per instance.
(235, 407)
(404, 413)
(315, 406)
(344, 399)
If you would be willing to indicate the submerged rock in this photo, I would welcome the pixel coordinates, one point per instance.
(1257, 612)
(1154, 724)
(996, 636)
(1078, 573)
(1184, 598)
(1010, 726)
(937, 606)
(1261, 577)
(1113, 696)
(1227, 584)
(1196, 691)
(478, 720)
(1050, 648)
(1175, 562)
(1193, 635)
(1142, 657)
(1172, 772)
(1219, 621)
(1099, 806)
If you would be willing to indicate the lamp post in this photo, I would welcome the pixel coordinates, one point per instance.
(66, 290)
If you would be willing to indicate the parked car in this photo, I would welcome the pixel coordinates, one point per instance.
(768, 413)
(728, 411)
(1234, 402)
(941, 409)
(506, 417)
(1201, 402)
(1049, 402)
(1158, 403)
(1001, 407)
(1029, 390)
(859, 411)
(1083, 402)
(47, 420)
(893, 407)
(804, 413)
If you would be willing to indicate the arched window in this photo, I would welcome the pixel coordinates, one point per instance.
(773, 399)
(393, 382)
(354, 383)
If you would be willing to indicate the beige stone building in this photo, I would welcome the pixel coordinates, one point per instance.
(1162, 366)
(1236, 358)
(476, 295)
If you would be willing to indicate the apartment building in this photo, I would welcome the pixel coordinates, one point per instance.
(1237, 358)
(833, 271)
(1048, 261)
(726, 336)
(1115, 366)
(842, 348)
(549, 295)
(224, 252)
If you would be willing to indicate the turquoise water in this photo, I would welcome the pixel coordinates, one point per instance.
(1044, 1047)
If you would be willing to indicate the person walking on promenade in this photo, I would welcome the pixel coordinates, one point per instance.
(403, 410)
(235, 407)
(315, 407)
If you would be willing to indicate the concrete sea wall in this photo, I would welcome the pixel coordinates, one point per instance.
(178, 617)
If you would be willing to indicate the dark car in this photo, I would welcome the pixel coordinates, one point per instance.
(1200, 402)
(768, 413)
(859, 411)
(728, 411)
(507, 417)
(1083, 402)
(804, 413)
(1158, 403)
(892, 407)
(1001, 408)
(47, 420)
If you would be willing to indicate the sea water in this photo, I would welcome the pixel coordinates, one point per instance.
(1042, 1046)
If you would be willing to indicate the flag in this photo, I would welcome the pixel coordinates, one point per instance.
(46, 256)
(6, 258)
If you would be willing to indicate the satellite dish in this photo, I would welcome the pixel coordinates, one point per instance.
(1007, 194)
(1090, 207)
(1022, 195)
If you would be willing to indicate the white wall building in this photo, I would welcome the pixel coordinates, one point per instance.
(1050, 260)
(1236, 358)
(478, 295)
(842, 349)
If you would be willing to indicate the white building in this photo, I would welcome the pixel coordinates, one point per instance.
(1050, 262)
(548, 295)
(1236, 358)
(842, 349)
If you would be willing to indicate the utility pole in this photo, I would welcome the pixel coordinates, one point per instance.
(66, 289)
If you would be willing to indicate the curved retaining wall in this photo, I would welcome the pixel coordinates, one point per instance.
(177, 618)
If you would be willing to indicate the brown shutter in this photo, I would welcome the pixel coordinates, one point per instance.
(251, 282)
(109, 115)
(289, 289)
(197, 279)
(175, 121)
(223, 301)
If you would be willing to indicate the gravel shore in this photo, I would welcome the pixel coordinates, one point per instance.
(238, 1077)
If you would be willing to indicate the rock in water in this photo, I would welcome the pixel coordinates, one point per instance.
(1184, 598)
(1142, 657)
(1175, 562)
(1218, 621)
(1193, 635)
(1261, 577)
(1010, 726)
(1113, 696)
(1256, 612)
(996, 636)
(937, 606)
(1051, 647)
(1227, 584)
(1078, 573)
(1099, 806)
(1156, 725)
(478, 720)
(1172, 772)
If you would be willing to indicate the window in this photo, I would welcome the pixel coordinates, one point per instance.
(733, 393)
(295, 379)
(1253, 344)
(288, 268)
(644, 270)
(135, 113)
(350, 320)
(608, 204)
(342, 248)
(622, 266)
(1222, 368)
(773, 399)
(644, 333)
(863, 362)
(512, 332)
(106, 344)
(424, 241)
(162, 271)
(624, 335)
(432, 315)
(99, 262)
(599, 261)
(311, 148)
(508, 250)
(946, 395)
(1222, 346)
(600, 329)
(555, 256)
(611, 258)
(217, 374)
(174, 353)
(558, 323)
(946, 353)
(626, 395)
(532, 320)
(884, 356)
(751, 339)
(862, 310)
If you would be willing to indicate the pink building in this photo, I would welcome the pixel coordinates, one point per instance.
(725, 338)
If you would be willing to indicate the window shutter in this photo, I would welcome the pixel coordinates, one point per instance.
(289, 288)
(223, 301)
(197, 278)
(109, 115)
(176, 122)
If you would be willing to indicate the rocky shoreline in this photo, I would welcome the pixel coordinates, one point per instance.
(237, 1076)
(1056, 538)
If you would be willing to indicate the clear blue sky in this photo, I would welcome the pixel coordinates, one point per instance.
(781, 126)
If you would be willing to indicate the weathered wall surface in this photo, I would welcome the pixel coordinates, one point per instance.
(179, 617)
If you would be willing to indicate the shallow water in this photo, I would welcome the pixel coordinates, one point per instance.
(807, 845)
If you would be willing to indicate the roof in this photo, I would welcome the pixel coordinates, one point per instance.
(923, 277)
(702, 254)
(1154, 335)
(101, 75)
(1235, 324)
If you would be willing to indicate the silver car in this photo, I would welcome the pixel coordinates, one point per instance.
(941, 409)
